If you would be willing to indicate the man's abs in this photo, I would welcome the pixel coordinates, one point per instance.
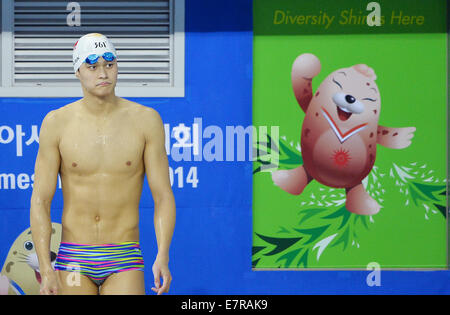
(100, 229)
(101, 208)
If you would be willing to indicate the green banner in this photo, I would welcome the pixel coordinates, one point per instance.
(352, 168)
(349, 16)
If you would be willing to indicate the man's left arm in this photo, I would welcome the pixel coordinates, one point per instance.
(157, 171)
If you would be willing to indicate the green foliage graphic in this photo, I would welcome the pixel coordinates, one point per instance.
(324, 222)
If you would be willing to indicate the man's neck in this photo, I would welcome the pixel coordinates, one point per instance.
(100, 106)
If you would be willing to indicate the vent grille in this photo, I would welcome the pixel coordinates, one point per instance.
(140, 31)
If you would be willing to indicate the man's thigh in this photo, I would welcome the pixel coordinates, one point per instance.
(74, 283)
(125, 282)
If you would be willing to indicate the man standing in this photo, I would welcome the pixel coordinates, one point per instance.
(101, 145)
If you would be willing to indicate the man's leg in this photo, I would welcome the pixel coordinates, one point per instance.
(74, 283)
(125, 282)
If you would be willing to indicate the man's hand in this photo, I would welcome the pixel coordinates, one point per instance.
(49, 284)
(161, 269)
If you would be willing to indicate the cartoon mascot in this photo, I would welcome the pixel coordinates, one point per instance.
(340, 132)
(20, 273)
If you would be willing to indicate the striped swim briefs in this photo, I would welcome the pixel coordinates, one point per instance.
(98, 262)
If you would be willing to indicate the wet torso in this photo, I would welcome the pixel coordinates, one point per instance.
(102, 173)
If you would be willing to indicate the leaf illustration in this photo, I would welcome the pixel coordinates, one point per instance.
(280, 243)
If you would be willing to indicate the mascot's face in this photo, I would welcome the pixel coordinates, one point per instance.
(350, 96)
(21, 265)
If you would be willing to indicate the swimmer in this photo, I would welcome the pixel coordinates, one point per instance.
(102, 146)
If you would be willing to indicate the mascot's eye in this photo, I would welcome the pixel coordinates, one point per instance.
(28, 245)
(337, 83)
(350, 99)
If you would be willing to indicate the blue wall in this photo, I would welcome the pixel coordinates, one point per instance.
(212, 243)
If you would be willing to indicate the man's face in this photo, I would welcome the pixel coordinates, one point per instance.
(99, 78)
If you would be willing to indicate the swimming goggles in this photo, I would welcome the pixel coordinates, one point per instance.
(91, 59)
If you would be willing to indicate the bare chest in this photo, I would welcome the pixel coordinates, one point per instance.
(101, 147)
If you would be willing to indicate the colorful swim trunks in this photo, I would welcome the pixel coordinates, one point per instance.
(98, 262)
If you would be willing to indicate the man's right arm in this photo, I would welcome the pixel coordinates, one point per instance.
(45, 180)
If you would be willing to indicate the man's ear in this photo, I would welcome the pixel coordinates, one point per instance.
(77, 74)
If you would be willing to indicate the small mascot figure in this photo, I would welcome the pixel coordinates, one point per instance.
(20, 273)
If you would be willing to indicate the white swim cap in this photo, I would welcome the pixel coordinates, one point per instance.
(93, 43)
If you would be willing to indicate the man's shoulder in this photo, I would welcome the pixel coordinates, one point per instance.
(147, 119)
(59, 115)
(53, 123)
(141, 112)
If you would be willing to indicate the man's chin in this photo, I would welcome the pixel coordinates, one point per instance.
(102, 91)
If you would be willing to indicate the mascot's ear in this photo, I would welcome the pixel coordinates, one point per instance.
(365, 70)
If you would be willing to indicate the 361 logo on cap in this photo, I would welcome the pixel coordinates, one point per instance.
(100, 44)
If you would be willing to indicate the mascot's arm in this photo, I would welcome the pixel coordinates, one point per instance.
(395, 138)
(304, 69)
(45, 180)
